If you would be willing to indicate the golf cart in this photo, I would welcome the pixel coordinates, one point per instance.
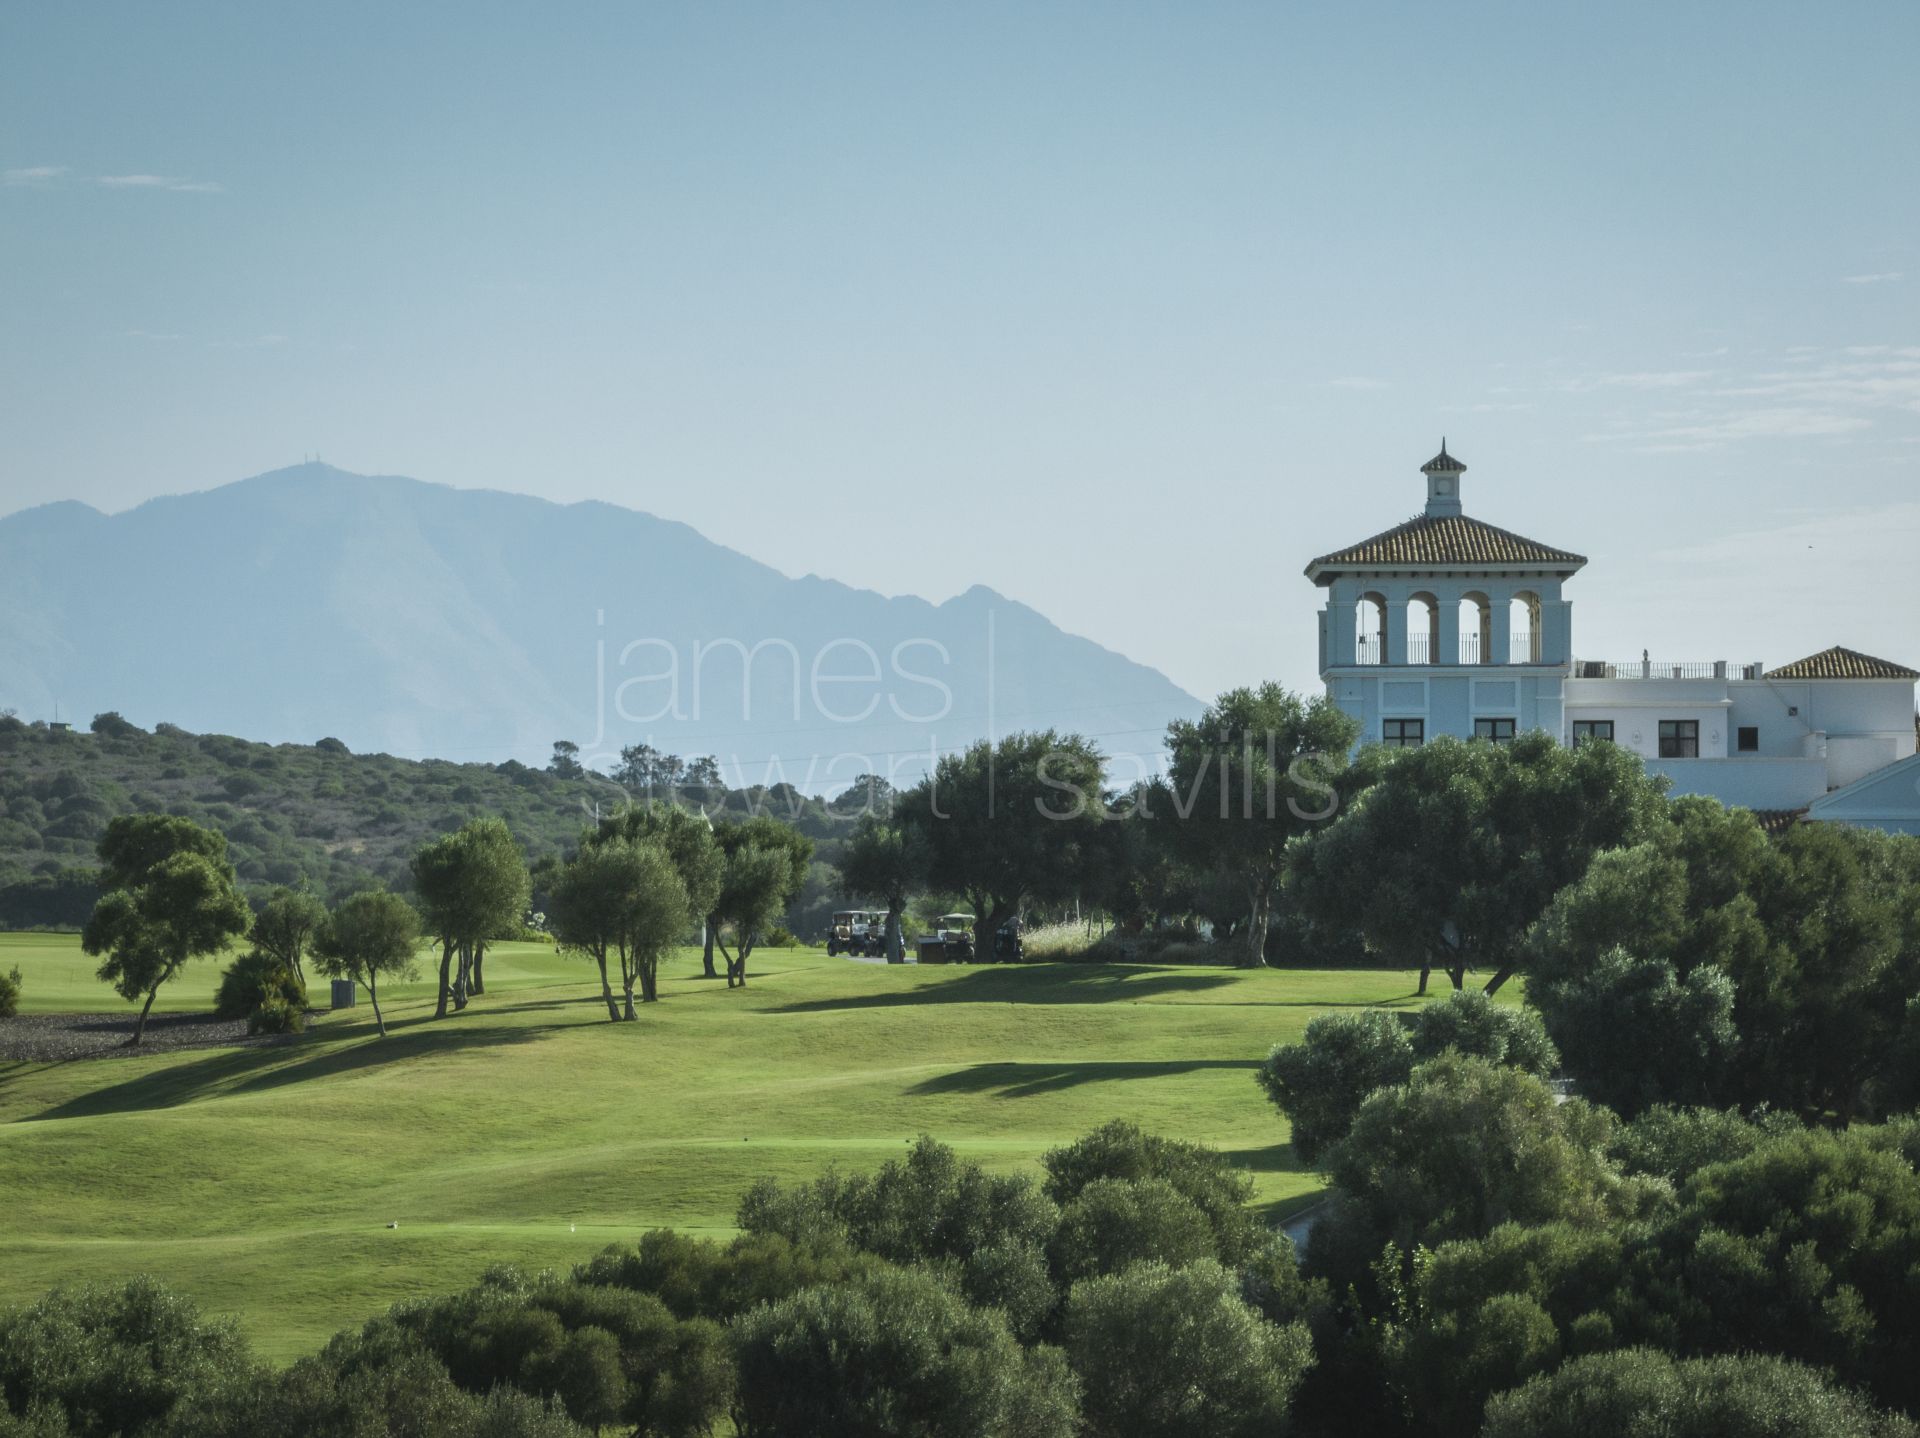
(860, 932)
(951, 942)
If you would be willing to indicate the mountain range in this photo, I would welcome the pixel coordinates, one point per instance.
(423, 620)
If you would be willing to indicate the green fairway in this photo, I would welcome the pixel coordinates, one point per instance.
(530, 1130)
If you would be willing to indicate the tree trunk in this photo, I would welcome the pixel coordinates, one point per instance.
(650, 982)
(479, 985)
(896, 947)
(140, 1024)
(446, 978)
(1426, 972)
(706, 956)
(986, 936)
(1256, 955)
(373, 996)
(740, 963)
(1458, 973)
(606, 990)
(626, 988)
(1500, 976)
(460, 978)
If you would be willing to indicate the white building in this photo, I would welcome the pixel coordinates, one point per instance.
(1448, 625)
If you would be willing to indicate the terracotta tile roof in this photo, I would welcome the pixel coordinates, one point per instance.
(1439, 539)
(1774, 822)
(1838, 663)
(1443, 463)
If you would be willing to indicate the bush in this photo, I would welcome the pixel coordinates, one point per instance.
(894, 1355)
(1170, 1352)
(1470, 1023)
(277, 1016)
(1320, 1082)
(1642, 1393)
(115, 1359)
(1465, 1145)
(1117, 1222)
(9, 994)
(1201, 1175)
(253, 981)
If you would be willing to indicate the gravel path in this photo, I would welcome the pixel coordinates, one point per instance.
(54, 1038)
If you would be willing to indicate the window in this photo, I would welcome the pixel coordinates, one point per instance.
(1747, 739)
(1403, 733)
(1498, 731)
(1585, 729)
(1679, 738)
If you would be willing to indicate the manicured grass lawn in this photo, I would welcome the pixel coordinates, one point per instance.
(530, 1130)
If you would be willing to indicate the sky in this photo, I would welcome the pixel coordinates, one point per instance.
(1126, 311)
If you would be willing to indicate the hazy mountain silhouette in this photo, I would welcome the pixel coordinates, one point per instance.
(468, 624)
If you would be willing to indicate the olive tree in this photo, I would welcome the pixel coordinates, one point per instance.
(1451, 855)
(284, 926)
(622, 903)
(884, 863)
(1009, 823)
(473, 885)
(170, 898)
(1257, 769)
(367, 938)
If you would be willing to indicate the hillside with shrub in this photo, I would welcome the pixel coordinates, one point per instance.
(304, 815)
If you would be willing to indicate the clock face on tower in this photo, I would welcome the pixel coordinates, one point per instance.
(1443, 486)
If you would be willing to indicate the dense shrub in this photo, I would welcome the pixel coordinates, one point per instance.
(277, 1016)
(1115, 1222)
(1642, 1393)
(1319, 1083)
(253, 981)
(1199, 1174)
(1466, 1145)
(896, 1354)
(10, 985)
(698, 1278)
(115, 1359)
(1169, 1352)
(1469, 1022)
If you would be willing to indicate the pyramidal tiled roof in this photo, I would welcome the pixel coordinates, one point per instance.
(1438, 539)
(1839, 663)
(1443, 463)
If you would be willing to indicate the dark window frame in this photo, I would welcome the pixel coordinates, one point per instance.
(1493, 733)
(1746, 739)
(1679, 738)
(1403, 733)
(1587, 730)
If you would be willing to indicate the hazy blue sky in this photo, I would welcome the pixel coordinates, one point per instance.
(1126, 311)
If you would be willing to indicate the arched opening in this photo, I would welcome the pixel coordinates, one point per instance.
(1423, 629)
(1523, 628)
(1476, 628)
(1370, 639)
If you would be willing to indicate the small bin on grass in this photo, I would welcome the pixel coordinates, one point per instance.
(343, 993)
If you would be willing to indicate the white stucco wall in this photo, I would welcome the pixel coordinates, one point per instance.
(1747, 783)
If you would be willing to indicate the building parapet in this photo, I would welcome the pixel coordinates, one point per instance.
(1646, 668)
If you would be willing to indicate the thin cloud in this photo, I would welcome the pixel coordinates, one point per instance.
(258, 342)
(1877, 279)
(32, 174)
(162, 182)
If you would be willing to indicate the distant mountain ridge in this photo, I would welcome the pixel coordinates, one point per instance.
(427, 621)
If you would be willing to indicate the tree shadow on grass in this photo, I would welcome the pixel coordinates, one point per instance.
(255, 1070)
(1016, 984)
(1019, 1080)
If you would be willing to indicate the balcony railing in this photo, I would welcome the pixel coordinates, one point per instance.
(1663, 669)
